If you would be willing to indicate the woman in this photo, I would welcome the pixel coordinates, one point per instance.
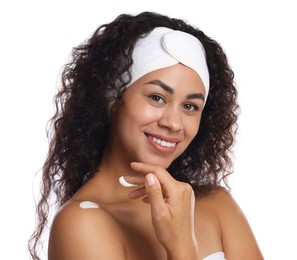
(140, 152)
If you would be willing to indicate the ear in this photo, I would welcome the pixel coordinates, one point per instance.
(116, 105)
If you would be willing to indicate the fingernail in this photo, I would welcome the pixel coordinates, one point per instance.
(124, 183)
(151, 179)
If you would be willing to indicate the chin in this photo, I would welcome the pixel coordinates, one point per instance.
(159, 161)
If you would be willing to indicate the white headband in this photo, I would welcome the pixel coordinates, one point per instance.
(164, 47)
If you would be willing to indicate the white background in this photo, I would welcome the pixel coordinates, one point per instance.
(259, 38)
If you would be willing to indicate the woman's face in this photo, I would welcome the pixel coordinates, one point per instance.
(159, 116)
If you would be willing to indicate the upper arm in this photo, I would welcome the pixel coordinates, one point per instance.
(85, 234)
(237, 237)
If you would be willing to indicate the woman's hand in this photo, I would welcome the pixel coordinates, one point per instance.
(172, 208)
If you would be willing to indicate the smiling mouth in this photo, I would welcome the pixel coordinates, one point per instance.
(161, 142)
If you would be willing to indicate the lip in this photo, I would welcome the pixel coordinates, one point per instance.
(162, 148)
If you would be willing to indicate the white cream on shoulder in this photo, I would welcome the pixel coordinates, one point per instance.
(88, 205)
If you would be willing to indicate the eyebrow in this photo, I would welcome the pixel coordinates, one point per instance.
(162, 85)
(171, 91)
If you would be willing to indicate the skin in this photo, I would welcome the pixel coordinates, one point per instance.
(160, 219)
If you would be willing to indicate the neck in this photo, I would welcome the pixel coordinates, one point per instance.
(106, 181)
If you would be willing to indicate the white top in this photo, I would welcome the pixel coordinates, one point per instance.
(215, 256)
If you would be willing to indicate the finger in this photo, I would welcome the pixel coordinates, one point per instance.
(162, 175)
(135, 194)
(167, 182)
(154, 193)
(145, 200)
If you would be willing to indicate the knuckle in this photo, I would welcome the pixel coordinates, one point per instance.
(161, 215)
(186, 188)
(189, 188)
(153, 191)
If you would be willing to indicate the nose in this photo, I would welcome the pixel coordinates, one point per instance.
(171, 118)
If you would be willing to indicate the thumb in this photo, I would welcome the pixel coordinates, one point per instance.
(154, 192)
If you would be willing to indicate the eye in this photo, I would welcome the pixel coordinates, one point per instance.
(157, 99)
(190, 107)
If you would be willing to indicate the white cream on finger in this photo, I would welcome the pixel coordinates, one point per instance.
(124, 183)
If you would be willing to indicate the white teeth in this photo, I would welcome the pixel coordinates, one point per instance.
(162, 142)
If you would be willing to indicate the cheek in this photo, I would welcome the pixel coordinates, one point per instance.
(151, 115)
(192, 128)
(144, 114)
(139, 114)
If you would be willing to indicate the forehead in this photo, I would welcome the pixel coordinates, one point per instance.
(178, 77)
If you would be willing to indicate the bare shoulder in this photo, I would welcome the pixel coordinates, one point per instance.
(219, 203)
(238, 241)
(219, 200)
(80, 232)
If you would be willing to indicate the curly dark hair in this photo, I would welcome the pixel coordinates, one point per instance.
(94, 79)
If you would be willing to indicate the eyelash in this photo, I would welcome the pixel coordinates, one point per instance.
(158, 98)
(194, 107)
